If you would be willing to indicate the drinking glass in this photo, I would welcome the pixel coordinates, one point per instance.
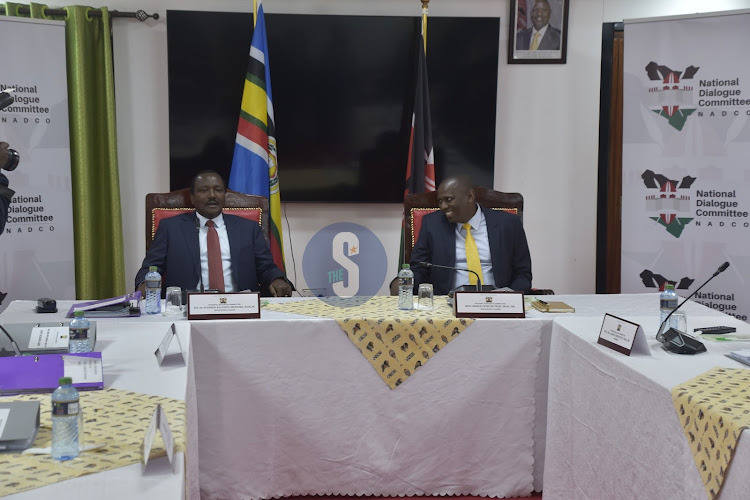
(174, 301)
(678, 321)
(424, 296)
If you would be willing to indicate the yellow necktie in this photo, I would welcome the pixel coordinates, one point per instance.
(535, 41)
(472, 256)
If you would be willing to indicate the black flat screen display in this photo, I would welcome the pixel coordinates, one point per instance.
(343, 91)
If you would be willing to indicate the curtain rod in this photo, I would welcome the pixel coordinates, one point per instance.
(139, 14)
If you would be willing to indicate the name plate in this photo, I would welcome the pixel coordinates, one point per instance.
(234, 305)
(493, 304)
(623, 336)
(49, 337)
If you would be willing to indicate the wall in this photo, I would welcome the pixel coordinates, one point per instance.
(546, 143)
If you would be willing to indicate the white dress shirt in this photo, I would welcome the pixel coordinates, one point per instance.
(481, 238)
(226, 257)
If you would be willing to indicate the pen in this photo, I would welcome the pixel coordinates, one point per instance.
(541, 301)
(732, 339)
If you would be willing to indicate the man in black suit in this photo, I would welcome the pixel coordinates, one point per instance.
(182, 256)
(547, 37)
(499, 237)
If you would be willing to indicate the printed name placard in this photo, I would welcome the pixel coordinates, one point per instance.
(163, 349)
(83, 370)
(493, 304)
(623, 336)
(236, 305)
(159, 423)
(49, 337)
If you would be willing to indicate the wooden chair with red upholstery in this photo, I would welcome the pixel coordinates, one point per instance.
(418, 205)
(160, 206)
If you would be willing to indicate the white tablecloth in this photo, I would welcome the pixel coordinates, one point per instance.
(129, 363)
(612, 428)
(291, 407)
(288, 406)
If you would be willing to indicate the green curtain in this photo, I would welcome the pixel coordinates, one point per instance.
(99, 256)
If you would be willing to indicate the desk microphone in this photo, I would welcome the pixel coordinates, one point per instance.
(430, 264)
(679, 342)
(12, 343)
(200, 267)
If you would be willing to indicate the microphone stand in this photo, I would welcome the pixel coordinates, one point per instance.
(430, 264)
(673, 339)
(12, 342)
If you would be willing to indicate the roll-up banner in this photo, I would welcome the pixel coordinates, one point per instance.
(686, 158)
(36, 248)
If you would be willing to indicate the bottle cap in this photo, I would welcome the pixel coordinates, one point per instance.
(153, 268)
(405, 266)
(66, 381)
(79, 314)
(669, 286)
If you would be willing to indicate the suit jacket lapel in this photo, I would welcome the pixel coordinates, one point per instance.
(449, 236)
(190, 234)
(492, 234)
(234, 246)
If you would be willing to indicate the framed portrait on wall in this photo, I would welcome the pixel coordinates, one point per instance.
(538, 31)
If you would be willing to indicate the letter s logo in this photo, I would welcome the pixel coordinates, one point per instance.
(341, 242)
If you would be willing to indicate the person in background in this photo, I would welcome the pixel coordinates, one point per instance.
(228, 253)
(463, 234)
(541, 36)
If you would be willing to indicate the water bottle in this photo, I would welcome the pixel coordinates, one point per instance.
(405, 288)
(668, 302)
(153, 291)
(79, 334)
(65, 409)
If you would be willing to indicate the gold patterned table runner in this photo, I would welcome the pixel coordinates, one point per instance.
(394, 341)
(713, 409)
(112, 416)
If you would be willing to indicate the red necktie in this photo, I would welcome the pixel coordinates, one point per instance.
(215, 268)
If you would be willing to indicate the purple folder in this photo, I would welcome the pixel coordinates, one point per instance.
(40, 373)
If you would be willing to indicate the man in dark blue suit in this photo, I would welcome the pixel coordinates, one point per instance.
(499, 236)
(180, 247)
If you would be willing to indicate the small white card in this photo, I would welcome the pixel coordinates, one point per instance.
(238, 305)
(492, 304)
(158, 422)
(163, 349)
(623, 336)
(4, 414)
(82, 370)
(49, 337)
(148, 438)
(166, 433)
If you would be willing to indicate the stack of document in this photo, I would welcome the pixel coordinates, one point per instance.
(116, 307)
(29, 374)
(552, 306)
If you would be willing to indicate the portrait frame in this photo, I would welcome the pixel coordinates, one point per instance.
(553, 47)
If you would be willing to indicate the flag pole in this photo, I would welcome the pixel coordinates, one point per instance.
(255, 12)
(424, 23)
